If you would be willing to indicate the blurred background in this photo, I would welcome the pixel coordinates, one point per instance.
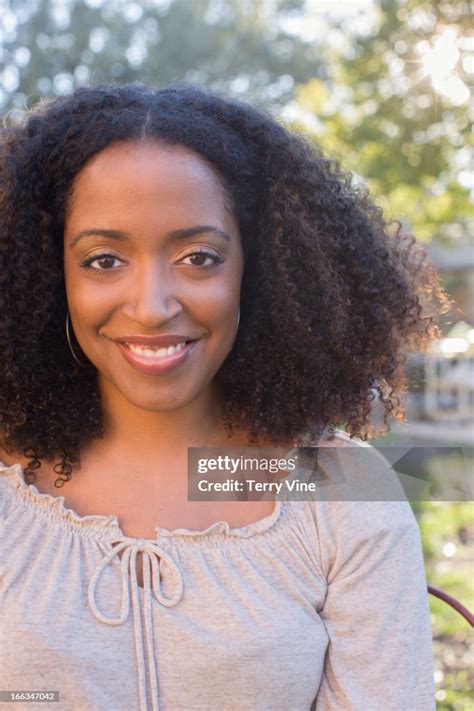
(383, 85)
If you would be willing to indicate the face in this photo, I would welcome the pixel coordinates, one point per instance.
(153, 268)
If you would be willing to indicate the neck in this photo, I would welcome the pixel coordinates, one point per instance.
(129, 428)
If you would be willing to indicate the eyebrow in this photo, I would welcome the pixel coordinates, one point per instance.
(173, 236)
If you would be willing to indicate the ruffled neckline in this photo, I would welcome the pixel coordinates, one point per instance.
(106, 523)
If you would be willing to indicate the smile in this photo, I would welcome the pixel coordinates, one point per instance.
(156, 360)
(155, 352)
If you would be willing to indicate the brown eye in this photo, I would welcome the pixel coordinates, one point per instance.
(201, 256)
(105, 262)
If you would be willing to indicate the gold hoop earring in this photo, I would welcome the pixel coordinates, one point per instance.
(70, 344)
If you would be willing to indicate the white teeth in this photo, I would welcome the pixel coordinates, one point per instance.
(155, 352)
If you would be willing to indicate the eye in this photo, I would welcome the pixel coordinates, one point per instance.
(201, 255)
(104, 258)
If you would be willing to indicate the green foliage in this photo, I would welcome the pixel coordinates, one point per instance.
(447, 531)
(398, 116)
(236, 45)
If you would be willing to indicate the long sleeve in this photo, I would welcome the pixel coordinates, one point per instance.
(376, 609)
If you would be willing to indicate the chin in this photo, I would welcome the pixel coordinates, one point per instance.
(156, 399)
(158, 406)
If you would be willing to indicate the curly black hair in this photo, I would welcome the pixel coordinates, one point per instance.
(332, 299)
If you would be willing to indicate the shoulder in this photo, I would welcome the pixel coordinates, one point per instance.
(353, 470)
(359, 502)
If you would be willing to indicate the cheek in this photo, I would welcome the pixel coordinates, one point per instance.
(89, 304)
(219, 305)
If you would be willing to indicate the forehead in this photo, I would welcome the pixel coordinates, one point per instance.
(131, 174)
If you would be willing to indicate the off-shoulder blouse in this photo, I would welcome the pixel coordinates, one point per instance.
(320, 605)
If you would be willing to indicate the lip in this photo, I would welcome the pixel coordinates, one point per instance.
(162, 365)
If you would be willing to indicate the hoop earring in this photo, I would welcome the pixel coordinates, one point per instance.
(70, 344)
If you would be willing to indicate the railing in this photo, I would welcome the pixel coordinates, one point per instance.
(455, 604)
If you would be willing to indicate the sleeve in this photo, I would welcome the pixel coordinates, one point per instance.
(376, 611)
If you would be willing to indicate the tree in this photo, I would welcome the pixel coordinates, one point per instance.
(51, 46)
(395, 110)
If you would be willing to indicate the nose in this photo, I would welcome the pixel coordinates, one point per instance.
(153, 297)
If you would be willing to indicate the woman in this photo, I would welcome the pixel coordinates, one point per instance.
(138, 220)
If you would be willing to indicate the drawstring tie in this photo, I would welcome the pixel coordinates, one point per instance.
(153, 555)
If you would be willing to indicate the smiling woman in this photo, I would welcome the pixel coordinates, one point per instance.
(180, 271)
(128, 269)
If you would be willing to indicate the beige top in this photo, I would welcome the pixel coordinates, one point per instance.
(321, 605)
